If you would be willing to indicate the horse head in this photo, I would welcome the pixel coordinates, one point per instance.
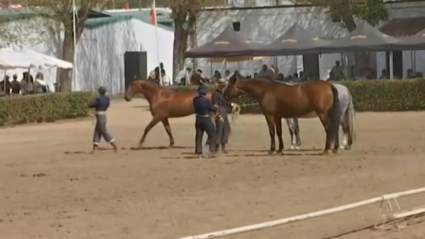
(133, 89)
(232, 91)
(145, 87)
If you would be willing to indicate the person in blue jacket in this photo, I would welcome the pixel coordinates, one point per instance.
(203, 107)
(101, 105)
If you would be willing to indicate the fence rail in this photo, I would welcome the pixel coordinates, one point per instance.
(304, 216)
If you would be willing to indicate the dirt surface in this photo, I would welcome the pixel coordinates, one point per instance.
(51, 188)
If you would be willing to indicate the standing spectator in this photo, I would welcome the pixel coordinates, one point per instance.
(40, 85)
(5, 85)
(227, 75)
(27, 84)
(16, 86)
(337, 72)
(165, 78)
(266, 73)
(216, 76)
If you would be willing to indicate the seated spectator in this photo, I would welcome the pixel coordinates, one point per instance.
(280, 77)
(384, 75)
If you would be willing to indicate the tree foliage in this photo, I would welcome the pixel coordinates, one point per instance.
(62, 11)
(184, 15)
(372, 11)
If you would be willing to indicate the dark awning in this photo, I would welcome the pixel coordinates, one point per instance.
(295, 41)
(229, 43)
(416, 42)
(363, 38)
(403, 27)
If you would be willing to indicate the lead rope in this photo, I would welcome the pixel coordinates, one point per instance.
(236, 111)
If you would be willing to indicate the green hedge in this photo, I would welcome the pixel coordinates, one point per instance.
(44, 108)
(397, 95)
(371, 95)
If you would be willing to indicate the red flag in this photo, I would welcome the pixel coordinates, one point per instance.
(153, 14)
(126, 6)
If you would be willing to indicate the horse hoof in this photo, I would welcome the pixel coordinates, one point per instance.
(297, 148)
(325, 152)
(280, 152)
(335, 151)
(271, 152)
(292, 147)
(343, 147)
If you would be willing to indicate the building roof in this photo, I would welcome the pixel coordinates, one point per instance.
(402, 27)
(163, 18)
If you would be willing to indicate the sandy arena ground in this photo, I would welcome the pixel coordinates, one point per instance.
(51, 188)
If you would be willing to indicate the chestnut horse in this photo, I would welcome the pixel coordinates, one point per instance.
(164, 103)
(278, 100)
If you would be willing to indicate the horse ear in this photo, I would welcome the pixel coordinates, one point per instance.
(238, 76)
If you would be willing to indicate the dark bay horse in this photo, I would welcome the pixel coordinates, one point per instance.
(278, 100)
(164, 103)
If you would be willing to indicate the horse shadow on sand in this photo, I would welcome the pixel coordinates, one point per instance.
(130, 148)
(257, 153)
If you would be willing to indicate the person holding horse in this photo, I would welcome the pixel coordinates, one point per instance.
(222, 123)
(101, 105)
(203, 107)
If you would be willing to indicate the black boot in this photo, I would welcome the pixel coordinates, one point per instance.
(223, 149)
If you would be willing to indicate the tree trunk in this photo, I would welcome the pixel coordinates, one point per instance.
(65, 79)
(362, 59)
(180, 46)
(68, 52)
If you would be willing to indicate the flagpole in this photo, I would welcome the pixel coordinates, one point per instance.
(157, 46)
(74, 26)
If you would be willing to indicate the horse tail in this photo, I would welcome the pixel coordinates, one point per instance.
(334, 116)
(351, 113)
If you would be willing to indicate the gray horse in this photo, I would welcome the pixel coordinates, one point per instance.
(347, 120)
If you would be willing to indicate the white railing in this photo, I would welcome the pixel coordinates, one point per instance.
(304, 216)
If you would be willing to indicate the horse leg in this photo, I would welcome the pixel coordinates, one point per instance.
(168, 129)
(326, 124)
(297, 141)
(271, 125)
(278, 123)
(291, 128)
(345, 133)
(151, 124)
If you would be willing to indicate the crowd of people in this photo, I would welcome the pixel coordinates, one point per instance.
(26, 86)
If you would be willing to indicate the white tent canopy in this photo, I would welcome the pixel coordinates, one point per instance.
(12, 59)
(52, 60)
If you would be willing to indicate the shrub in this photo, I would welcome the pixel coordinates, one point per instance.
(368, 95)
(44, 108)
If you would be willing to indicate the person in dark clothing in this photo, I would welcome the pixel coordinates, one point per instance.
(16, 86)
(203, 108)
(101, 105)
(5, 85)
(222, 123)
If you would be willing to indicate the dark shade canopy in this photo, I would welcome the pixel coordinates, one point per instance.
(229, 43)
(416, 42)
(403, 27)
(295, 41)
(363, 38)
